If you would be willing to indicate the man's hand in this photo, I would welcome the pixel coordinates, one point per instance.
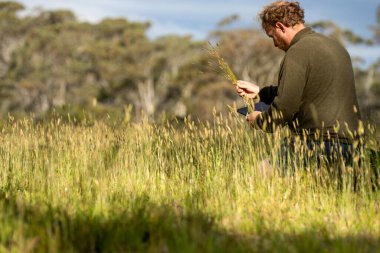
(247, 89)
(251, 118)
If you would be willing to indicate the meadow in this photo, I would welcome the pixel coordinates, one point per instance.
(173, 187)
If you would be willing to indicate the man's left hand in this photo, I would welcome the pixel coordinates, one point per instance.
(251, 118)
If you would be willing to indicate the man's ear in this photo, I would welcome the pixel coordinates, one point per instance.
(281, 26)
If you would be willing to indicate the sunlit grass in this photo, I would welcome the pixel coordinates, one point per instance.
(172, 188)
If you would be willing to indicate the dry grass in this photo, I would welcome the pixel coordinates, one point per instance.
(219, 65)
(171, 188)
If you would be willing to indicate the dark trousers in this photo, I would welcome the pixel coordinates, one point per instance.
(327, 151)
(333, 154)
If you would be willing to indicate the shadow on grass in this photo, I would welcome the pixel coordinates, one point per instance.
(152, 228)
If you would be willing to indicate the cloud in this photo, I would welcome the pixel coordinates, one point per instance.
(198, 17)
(195, 13)
(161, 28)
(84, 10)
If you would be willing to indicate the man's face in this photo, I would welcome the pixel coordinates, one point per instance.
(277, 36)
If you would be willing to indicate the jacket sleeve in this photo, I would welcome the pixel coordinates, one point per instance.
(285, 106)
(267, 94)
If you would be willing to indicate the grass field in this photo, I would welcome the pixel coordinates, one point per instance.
(166, 188)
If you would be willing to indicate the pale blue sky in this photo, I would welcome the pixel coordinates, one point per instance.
(198, 17)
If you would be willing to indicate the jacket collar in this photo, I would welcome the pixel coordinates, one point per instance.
(301, 34)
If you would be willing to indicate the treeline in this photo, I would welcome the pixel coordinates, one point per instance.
(51, 63)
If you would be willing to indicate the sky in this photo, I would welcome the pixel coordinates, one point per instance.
(198, 17)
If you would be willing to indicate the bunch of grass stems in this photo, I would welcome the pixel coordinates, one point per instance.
(223, 67)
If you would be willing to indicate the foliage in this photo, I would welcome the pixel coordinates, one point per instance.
(149, 188)
(50, 60)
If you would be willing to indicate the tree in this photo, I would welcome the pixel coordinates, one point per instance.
(11, 29)
(51, 60)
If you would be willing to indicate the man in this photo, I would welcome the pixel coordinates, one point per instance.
(315, 96)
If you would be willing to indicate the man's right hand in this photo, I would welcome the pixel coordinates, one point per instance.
(247, 89)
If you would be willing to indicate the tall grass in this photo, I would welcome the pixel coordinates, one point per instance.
(172, 188)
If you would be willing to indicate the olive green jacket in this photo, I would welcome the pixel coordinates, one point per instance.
(315, 94)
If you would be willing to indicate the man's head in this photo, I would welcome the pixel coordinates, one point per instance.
(281, 20)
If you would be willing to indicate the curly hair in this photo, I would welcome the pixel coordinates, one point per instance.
(287, 12)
